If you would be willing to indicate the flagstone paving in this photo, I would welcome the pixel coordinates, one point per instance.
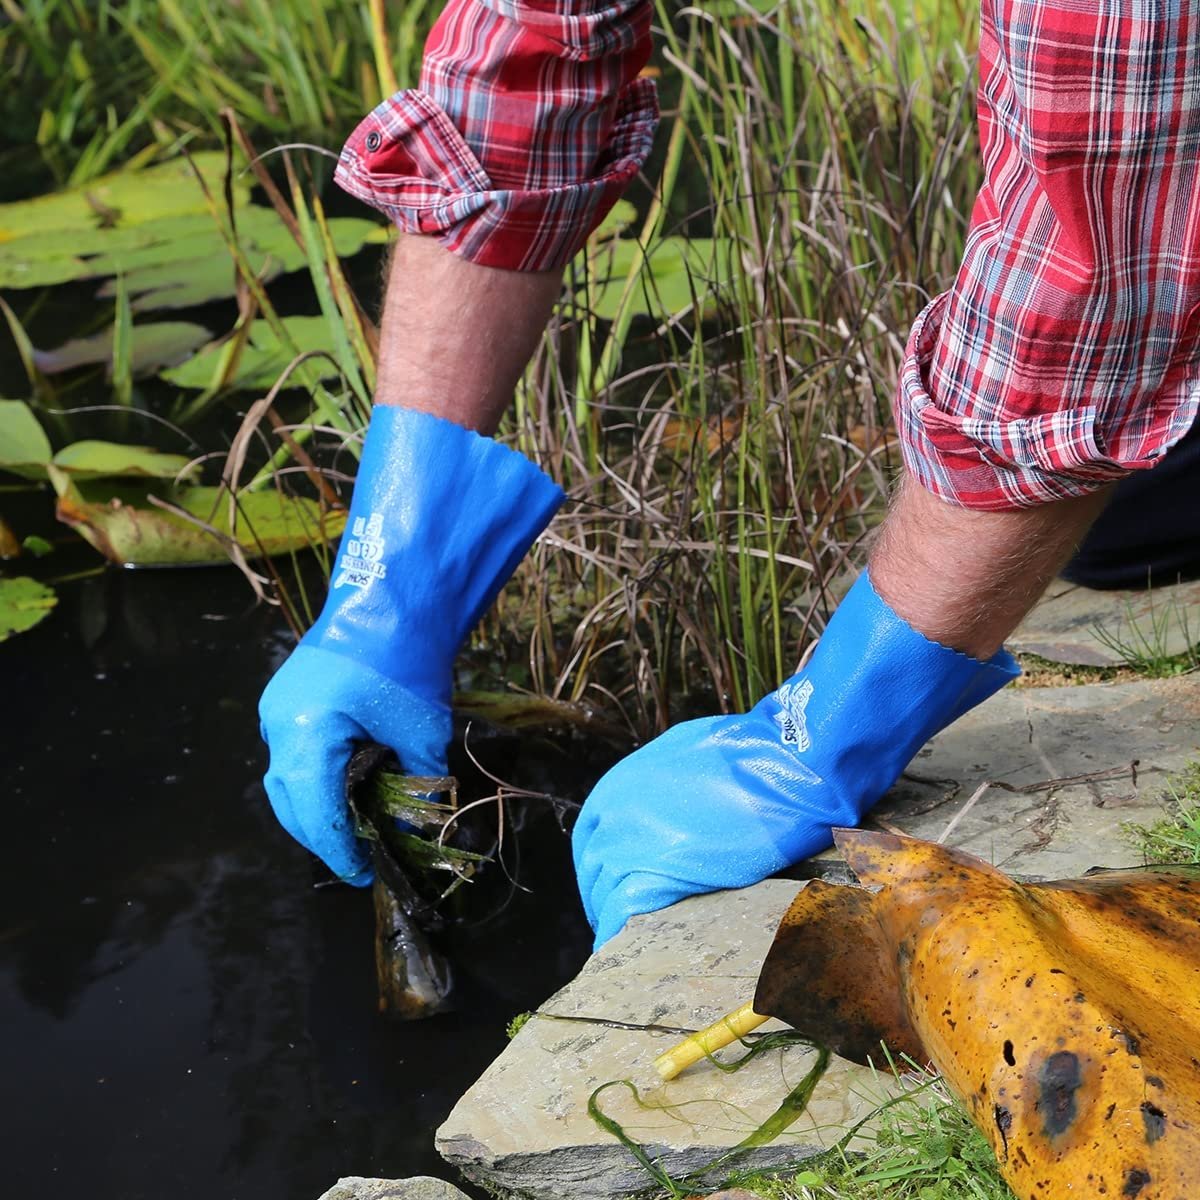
(524, 1127)
(1064, 625)
(419, 1187)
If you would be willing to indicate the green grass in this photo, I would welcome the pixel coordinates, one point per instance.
(1176, 838)
(517, 1024)
(1144, 645)
(86, 83)
(922, 1145)
(923, 1151)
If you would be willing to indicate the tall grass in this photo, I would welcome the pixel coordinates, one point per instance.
(726, 456)
(727, 467)
(110, 78)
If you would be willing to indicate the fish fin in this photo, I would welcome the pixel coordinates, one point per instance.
(832, 974)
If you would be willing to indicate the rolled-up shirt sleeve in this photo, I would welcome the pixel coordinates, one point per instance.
(1067, 352)
(529, 121)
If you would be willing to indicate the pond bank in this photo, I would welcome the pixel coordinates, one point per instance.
(1069, 769)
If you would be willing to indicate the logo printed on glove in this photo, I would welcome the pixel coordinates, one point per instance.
(361, 560)
(793, 700)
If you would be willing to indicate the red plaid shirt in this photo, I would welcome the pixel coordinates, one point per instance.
(528, 124)
(1066, 352)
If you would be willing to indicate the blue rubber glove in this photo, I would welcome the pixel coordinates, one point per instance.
(723, 802)
(439, 521)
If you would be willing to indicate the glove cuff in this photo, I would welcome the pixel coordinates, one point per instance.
(873, 693)
(440, 518)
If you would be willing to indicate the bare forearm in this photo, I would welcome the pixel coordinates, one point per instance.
(456, 336)
(966, 578)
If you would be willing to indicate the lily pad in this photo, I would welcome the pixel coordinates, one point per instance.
(97, 460)
(155, 345)
(154, 228)
(120, 199)
(24, 447)
(675, 274)
(35, 260)
(23, 604)
(616, 221)
(120, 521)
(168, 275)
(264, 358)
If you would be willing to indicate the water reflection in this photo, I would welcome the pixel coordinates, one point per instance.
(182, 1009)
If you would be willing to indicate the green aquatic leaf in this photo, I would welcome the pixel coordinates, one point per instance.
(174, 259)
(616, 220)
(264, 359)
(24, 446)
(119, 519)
(161, 276)
(23, 604)
(20, 269)
(517, 711)
(101, 460)
(155, 345)
(677, 273)
(120, 199)
(36, 260)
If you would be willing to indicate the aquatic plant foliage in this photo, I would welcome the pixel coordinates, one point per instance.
(790, 1109)
(24, 603)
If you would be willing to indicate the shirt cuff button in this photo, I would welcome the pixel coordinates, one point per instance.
(374, 140)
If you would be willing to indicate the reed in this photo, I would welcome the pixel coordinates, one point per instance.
(728, 456)
(714, 390)
(87, 83)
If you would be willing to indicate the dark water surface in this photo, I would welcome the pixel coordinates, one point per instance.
(183, 1013)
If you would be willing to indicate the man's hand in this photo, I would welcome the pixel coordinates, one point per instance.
(726, 801)
(314, 712)
(441, 517)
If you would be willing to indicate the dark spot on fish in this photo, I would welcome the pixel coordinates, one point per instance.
(1008, 1054)
(1155, 1121)
(1023, 1156)
(1079, 997)
(1135, 1180)
(953, 1024)
(1112, 1108)
(1057, 971)
(1058, 1081)
(1029, 981)
(1004, 1122)
(1132, 1046)
(1154, 1081)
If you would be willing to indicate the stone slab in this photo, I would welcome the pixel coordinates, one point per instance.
(524, 1127)
(1027, 736)
(1062, 626)
(419, 1187)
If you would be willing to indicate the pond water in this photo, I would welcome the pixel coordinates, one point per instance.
(184, 1013)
